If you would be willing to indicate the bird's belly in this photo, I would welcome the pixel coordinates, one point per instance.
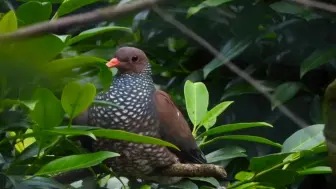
(135, 159)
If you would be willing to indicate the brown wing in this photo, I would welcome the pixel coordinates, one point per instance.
(175, 129)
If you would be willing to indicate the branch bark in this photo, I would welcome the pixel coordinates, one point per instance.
(175, 170)
(78, 19)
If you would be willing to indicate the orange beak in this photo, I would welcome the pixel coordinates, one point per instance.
(113, 63)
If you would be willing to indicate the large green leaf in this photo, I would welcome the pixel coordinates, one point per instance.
(105, 76)
(8, 22)
(204, 4)
(233, 127)
(285, 92)
(71, 132)
(245, 138)
(132, 137)
(231, 49)
(70, 5)
(316, 59)
(36, 50)
(98, 31)
(258, 164)
(304, 139)
(72, 162)
(197, 100)
(214, 113)
(76, 98)
(67, 64)
(229, 152)
(48, 112)
(33, 12)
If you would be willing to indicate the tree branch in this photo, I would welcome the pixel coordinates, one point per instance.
(175, 170)
(195, 170)
(78, 19)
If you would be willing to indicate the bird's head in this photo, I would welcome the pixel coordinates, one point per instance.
(130, 60)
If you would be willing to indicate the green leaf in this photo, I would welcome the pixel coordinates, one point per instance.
(33, 12)
(8, 22)
(229, 152)
(245, 138)
(104, 103)
(184, 184)
(71, 132)
(106, 77)
(75, 162)
(27, 103)
(77, 98)
(233, 127)
(258, 164)
(231, 49)
(197, 100)
(294, 9)
(67, 64)
(209, 180)
(48, 112)
(70, 5)
(132, 137)
(316, 59)
(37, 50)
(243, 175)
(285, 92)
(304, 139)
(316, 170)
(215, 112)
(98, 31)
(204, 4)
(287, 177)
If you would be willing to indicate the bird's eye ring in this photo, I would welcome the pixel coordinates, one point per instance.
(134, 59)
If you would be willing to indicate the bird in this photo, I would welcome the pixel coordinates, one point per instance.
(144, 110)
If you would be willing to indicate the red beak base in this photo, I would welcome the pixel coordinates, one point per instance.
(113, 63)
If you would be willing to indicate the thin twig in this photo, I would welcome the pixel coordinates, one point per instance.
(229, 64)
(77, 20)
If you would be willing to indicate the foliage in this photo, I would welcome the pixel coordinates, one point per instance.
(47, 81)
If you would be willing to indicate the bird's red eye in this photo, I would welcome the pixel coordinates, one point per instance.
(134, 59)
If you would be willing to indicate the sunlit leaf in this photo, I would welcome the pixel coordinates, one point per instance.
(76, 98)
(197, 100)
(215, 112)
(75, 162)
(304, 139)
(48, 112)
(8, 22)
(243, 175)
